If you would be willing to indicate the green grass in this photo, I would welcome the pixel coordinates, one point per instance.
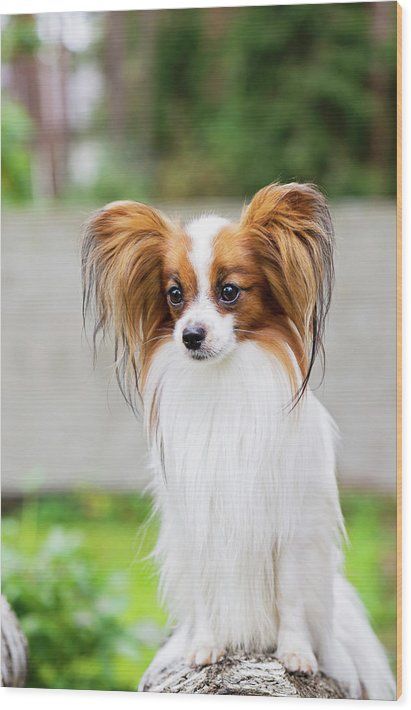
(371, 560)
(115, 538)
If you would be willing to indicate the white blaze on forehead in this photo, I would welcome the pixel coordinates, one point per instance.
(202, 232)
(219, 327)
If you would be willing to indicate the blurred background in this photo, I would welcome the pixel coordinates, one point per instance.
(189, 110)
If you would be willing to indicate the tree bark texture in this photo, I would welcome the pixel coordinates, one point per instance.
(13, 649)
(237, 675)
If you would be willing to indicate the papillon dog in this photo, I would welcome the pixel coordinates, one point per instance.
(217, 326)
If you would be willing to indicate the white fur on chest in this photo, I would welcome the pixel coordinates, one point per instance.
(231, 472)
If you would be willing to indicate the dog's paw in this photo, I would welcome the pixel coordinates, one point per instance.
(205, 656)
(299, 662)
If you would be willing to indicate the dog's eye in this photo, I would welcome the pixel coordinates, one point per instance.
(175, 296)
(230, 293)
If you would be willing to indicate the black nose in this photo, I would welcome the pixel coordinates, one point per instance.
(193, 337)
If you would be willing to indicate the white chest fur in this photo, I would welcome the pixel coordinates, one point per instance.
(231, 470)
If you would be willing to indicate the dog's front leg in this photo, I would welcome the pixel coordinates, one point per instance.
(294, 645)
(203, 650)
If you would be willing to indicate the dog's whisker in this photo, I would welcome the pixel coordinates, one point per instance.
(158, 337)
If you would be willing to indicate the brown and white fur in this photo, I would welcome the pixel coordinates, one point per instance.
(217, 327)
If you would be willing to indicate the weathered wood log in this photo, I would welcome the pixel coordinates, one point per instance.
(14, 649)
(236, 675)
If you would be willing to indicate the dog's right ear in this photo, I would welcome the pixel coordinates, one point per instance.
(122, 257)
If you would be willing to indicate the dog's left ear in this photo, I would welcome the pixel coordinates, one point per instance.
(292, 233)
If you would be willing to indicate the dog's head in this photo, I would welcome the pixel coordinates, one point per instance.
(211, 284)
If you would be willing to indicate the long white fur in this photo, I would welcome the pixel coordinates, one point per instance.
(202, 231)
(249, 546)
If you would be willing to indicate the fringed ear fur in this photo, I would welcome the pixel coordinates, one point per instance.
(122, 258)
(293, 234)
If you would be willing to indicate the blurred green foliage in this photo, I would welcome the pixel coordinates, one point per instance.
(281, 92)
(16, 131)
(77, 571)
(220, 101)
(371, 560)
(19, 38)
(85, 598)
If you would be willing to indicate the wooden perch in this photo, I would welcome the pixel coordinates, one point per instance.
(236, 675)
(13, 649)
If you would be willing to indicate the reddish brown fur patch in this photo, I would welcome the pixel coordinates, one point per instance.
(178, 269)
(123, 255)
(290, 232)
(258, 315)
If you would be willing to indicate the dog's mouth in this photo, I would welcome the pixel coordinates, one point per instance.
(202, 355)
(209, 354)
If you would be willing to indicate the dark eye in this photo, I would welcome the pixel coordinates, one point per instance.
(175, 296)
(230, 293)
